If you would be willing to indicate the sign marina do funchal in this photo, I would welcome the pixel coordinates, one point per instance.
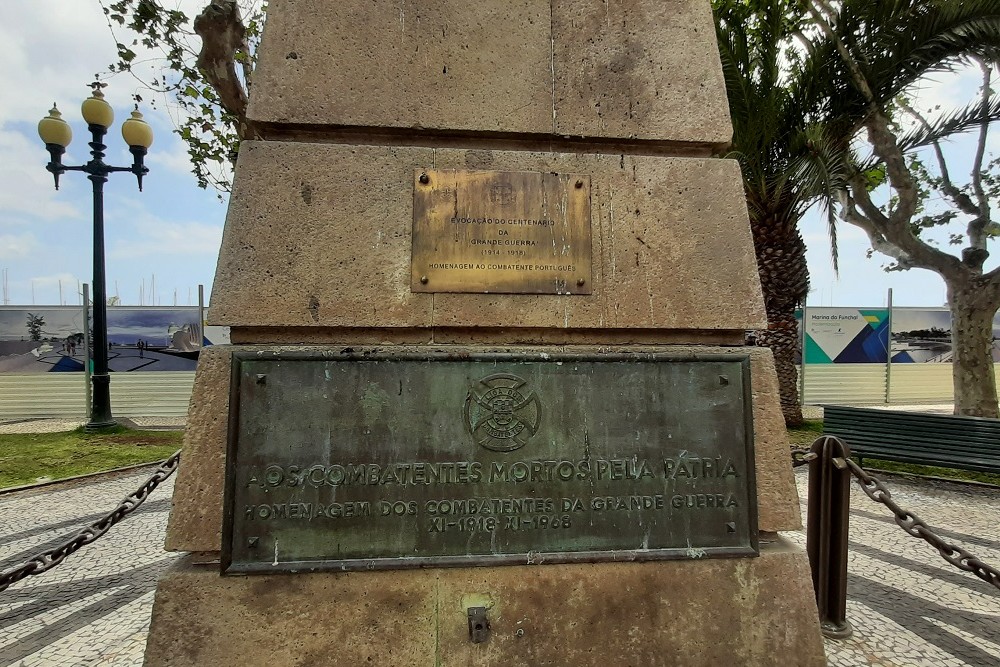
(377, 459)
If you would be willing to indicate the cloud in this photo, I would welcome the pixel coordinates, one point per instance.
(17, 245)
(28, 193)
(173, 156)
(53, 286)
(944, 92)
(159, 237)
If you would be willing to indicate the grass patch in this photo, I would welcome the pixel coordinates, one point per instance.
(932, 471)
(29, 457)
(803, 437)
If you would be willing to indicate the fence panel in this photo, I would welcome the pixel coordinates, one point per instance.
(34, 395)
(845, 383)
(42, 395)
(924, 383)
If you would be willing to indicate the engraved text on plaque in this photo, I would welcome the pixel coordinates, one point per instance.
(368, 459)
(501, 232)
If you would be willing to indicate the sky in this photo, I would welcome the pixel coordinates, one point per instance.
(170, 232)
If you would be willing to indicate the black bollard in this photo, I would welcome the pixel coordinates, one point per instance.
(827, 533)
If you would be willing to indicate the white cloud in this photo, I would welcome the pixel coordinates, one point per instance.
(17, 245)
(172, 154)
(57, 288)
(945, 92)
(154, 237)
(28, 192)
(62, 44)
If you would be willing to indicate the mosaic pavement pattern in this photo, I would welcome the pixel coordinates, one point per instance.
(909, 607)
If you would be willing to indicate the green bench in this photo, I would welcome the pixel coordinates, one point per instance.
(947, 441)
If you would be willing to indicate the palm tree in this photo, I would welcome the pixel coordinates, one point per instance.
(767, 121)
(795, 113)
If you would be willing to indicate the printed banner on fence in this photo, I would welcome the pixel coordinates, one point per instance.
(50, 339)
(923, 336)
(846, 336)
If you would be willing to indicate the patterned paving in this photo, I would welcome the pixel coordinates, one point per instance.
(94, 608)
(909, 607)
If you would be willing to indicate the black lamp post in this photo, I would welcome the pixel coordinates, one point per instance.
(56, 134)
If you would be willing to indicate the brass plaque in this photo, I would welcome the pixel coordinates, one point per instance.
(504, 232)
(370, 460)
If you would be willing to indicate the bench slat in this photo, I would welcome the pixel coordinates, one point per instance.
(950, 441)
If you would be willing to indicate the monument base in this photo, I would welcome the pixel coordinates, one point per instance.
(748, 611)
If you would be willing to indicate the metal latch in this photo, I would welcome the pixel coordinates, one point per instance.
(479, 625)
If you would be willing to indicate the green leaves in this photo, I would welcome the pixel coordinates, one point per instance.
(171, 76)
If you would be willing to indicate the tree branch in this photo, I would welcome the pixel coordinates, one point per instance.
(877, 123)
(223, 35)
(896, 240)
(977, 227)
(960, 199)
(859, 190)
(851, 214)
(992, 281)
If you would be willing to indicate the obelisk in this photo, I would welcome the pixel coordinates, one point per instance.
(487, 400)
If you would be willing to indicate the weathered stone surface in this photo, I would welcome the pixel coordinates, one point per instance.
(451, 65)
(747, 612)
(196, 522)
(639, 69)
(777, 499)
(197, 499)
(328, 244)
(479, 336)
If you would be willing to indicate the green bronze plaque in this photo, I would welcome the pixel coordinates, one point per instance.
(365, 459)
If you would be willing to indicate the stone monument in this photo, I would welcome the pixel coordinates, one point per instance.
(487, 400)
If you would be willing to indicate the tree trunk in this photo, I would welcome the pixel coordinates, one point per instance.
(782, 336)
(973, 308)
(784, 279)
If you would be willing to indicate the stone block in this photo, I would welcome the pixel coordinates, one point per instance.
(748, 612)
(644, 69)
(328, 245)
(449, 65)
(632, 70)
(196, 520)
(196, 511)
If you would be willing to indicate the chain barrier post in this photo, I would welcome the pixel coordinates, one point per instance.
(829, 505)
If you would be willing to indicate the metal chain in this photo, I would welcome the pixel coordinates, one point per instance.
(801, 457)
(913, 525)
(52, 557)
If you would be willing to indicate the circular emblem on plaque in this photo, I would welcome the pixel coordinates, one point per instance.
(501, 413)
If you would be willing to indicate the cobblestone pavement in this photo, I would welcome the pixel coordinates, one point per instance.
(909, 607)
(94, 608)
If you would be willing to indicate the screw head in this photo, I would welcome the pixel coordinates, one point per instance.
(261, 378)
(423, 280)
(425, 179)
(253, 541)
(581, 282)
(579, 184)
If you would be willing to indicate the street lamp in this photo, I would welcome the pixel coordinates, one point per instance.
(56, 134)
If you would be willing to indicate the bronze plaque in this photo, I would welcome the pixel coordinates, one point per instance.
(367, 460)
(501, 232)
